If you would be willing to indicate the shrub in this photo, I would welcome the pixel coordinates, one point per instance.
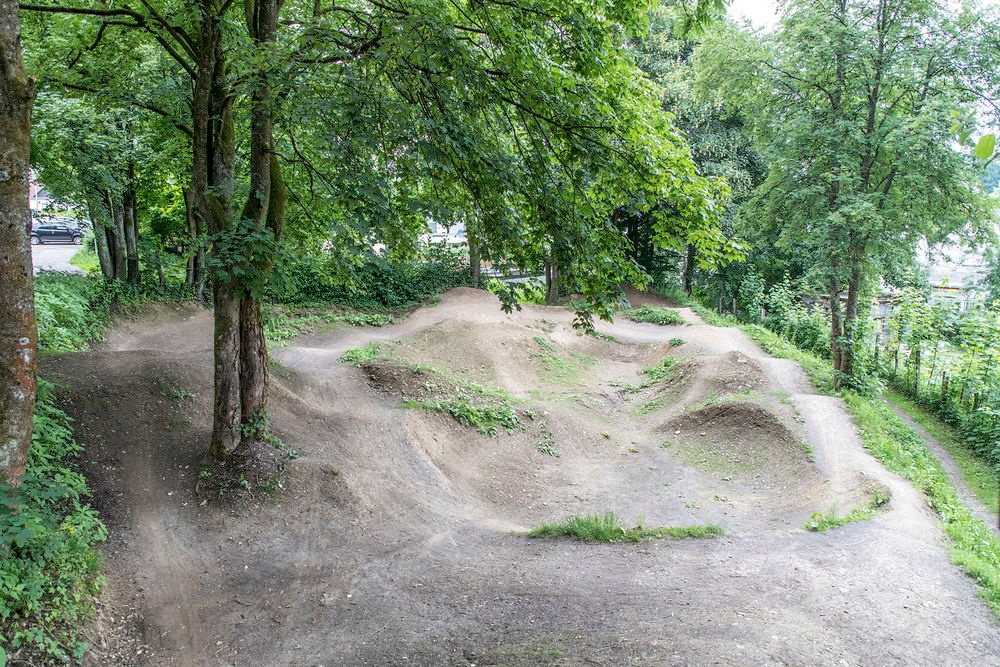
(375, 283)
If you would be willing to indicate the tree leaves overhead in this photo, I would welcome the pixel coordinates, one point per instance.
(527, 120)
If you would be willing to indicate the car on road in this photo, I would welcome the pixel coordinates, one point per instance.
(56, 230)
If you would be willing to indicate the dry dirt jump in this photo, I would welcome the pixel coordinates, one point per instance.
(397, 534)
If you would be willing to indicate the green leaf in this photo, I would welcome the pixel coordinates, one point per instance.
(985, 147)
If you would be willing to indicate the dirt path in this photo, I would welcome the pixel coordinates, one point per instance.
(394, 541)
(951, 470)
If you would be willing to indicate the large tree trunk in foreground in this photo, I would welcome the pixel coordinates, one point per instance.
(18, 333)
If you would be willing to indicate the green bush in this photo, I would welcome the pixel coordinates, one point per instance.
(72, 310)
(373, 284)
(48, 564)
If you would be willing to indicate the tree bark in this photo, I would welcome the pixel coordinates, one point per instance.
(226, 409)
(253, 365)
(18, 333)
(475, 265)
(848, 348)
(551, 281)
(689, 262)
(131, 231)
(117, 240)
(101, 241)
(836, 324)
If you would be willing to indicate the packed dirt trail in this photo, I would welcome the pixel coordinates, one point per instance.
(397, 536)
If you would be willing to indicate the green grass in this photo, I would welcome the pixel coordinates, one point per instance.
(560, 368)
(979, 475)
(654, 315)
(359, 355)
(487, 419)
(878, 498)
(282, 323)
(822, 522)
(85, 258)
(609, 528)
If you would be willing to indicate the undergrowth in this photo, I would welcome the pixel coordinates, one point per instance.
(608, 527)
(49, 568)
(72, 310)
(560, 368)
(487, 419)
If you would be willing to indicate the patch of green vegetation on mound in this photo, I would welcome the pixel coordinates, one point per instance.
(558, 367)
(654, 315)
(608, 527)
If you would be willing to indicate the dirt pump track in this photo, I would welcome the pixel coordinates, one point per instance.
(396, 539)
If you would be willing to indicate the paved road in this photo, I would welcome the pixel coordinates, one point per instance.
(54, 257)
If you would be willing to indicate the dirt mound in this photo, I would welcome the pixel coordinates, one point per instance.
(735, 372)
(391, 539)
(738, 438)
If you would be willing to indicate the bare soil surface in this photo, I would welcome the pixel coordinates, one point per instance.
(396, 536)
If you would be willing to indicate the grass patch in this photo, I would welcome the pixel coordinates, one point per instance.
(654, 315)
(979, 475)
(878, 498)
(487, 419)
(49, 568)
(557, 368)
(608, 527)
(282, 324)
(359, 355)
(822, 522)
(666, 369)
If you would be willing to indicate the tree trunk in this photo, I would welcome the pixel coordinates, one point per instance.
(551, 281)
(101, 241)
(253, 365)
(475, 266)
(836, 323)
(117, 240)
(226, 411)
(212, 184)
(18, 333)
(131, 233)
(689, 262)
(848, 348)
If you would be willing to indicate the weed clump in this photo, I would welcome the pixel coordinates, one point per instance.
(608, 527)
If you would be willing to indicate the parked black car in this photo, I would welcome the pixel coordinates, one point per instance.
(56, 231)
